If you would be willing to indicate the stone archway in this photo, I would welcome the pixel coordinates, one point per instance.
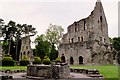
(63, 58)
(28, 52)
(80, 60)
(71, 60)
(24, 53)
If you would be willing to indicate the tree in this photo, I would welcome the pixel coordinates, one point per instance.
(53, 53)
(54, 34)
(8, 32)
(1, 25)
(42, 46)
(13, 33)
(28, 30)
(116, 45)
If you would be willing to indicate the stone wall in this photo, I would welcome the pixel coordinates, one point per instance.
(48, 71)
(26, 48)
(87, 40)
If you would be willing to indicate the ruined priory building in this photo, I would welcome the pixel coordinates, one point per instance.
(87, 42)
(26, 51)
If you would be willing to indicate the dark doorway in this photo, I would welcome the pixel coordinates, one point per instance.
(28, 52)
(24, 53)
(71, 60)
(63, 58)
(80, 60)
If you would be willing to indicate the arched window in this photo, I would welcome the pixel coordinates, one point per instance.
(101, 18)
(84, 24)
(71, 60)
(69, 40)
(28, 52)
(24, 53)
(72, 40)
(81, 38)
(63, 58)
(75, 29)
(78, 39)
(80, 60)
(26, 47)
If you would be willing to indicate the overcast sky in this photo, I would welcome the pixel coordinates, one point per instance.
(40, 13)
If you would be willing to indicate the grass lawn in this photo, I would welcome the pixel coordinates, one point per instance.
(106, 71)
(13, 67)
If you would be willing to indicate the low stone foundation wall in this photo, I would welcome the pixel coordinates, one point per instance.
(94, 73)
(13, 71)
(49, 71)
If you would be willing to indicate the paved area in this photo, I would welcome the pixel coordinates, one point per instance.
(72, 75)
(17, 75)
(77, 75)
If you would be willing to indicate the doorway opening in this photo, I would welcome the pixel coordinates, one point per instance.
(63, 58)
(80, 60)
(71, 60)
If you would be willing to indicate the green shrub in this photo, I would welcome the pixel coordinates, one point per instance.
(58, 59)
(7, 55)
(46, 57)
(24, 62)
(8, 61)
(37, 60)
(46, 61)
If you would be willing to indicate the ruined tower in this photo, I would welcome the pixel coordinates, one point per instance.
(26, 51)
(86, 41)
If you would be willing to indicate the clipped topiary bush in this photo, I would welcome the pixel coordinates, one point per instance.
(37, 60)
(58, 59)
(8, 61)
(24, 61)
(46, 57)
(46, 61)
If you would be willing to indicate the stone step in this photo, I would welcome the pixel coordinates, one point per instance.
(96, 76)
(93, 73)
(78, 70)
(85, 71)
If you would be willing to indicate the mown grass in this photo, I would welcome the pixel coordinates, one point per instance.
(13, 67)
(107, 71)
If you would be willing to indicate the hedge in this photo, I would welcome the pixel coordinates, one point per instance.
(58, 59)
(37, 60)
(24, 62)
(8, 61)
(46, 61)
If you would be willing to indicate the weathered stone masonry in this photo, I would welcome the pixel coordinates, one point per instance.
(87, 42)
(26, 50)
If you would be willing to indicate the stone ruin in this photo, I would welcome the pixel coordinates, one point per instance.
(48, 71)
(26, 50)
(87, 42)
